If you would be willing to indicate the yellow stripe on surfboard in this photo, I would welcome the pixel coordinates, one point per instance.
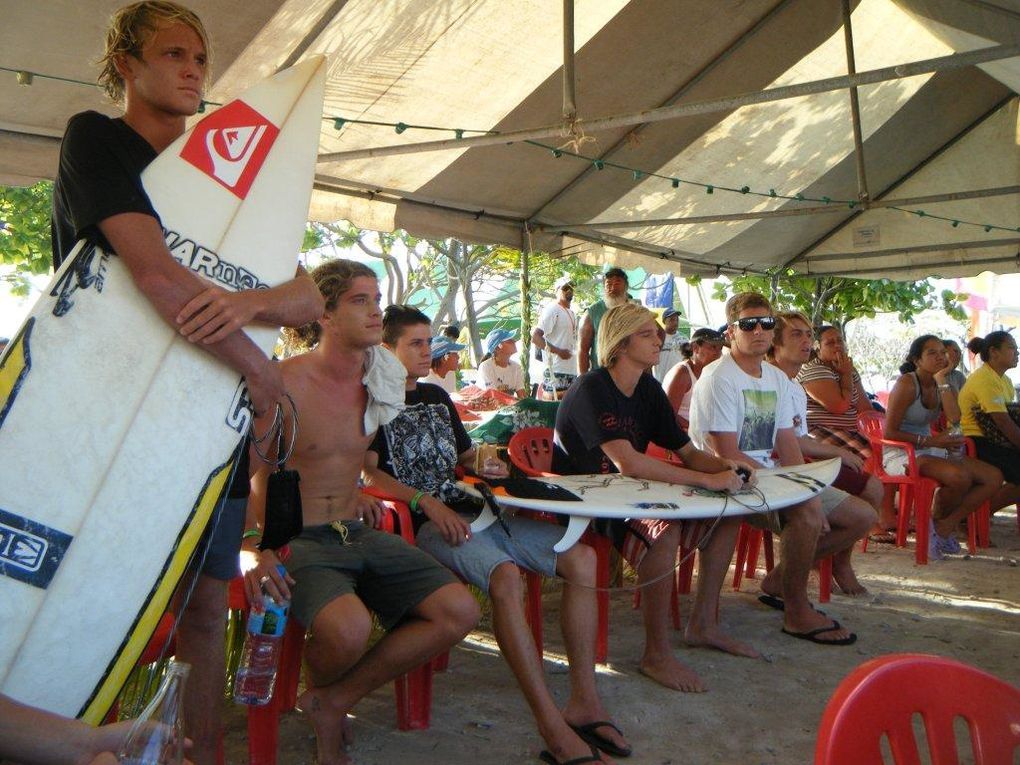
(15, 365)
(106, 694)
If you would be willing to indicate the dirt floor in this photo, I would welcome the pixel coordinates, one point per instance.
(755, 712)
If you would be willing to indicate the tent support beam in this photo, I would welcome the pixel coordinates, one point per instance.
(569, 102)
(898, 72)
(855, 106)
(812, 210)
(1012, 259)
(526, 251)
(974, 245)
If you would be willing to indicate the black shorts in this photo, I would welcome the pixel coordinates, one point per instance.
(1007, 460)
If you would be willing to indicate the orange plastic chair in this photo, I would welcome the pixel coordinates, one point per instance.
(916, 492)
(530, 451)
(881, 697)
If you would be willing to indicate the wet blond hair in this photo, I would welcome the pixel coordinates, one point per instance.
(616, 327)
(333, 279)
(131, 28)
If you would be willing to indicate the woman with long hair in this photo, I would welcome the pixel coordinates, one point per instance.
(835, 394)
(916, 401)
(704, 348)
(988, 391)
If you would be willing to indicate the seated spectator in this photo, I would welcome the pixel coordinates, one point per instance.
(497, 370)
(987, 391)
(413, 458)
(445, 359)
(742, 409)
(604, 425)
(835, 394)
(853, 490)
(705, 347)
(672, 344)
(957, 377)
(916, 401)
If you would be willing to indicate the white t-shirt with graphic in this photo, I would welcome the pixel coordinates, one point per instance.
(728, 400)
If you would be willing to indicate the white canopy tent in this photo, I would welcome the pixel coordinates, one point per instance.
(727, 94)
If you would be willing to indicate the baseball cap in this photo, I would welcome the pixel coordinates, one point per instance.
(497, 336)
(442, 345)
(707, 335)
(563, 281)
(669, 312)
(617, 272)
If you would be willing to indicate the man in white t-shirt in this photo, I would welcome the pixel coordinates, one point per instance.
(670, 354)
(742, 409)
(555, 335)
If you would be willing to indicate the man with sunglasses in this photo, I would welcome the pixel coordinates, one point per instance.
(742, 409)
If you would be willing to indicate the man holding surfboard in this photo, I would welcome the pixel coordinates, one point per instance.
(604, 425)
(742, 409)
(156, 63)
(340, 568)
(413, 459)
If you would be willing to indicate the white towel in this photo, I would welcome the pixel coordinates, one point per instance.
(384, 379)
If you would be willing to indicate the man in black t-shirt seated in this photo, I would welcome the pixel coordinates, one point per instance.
(604, 425)
(413, 458)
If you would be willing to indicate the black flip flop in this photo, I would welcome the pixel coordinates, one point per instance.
(812, 635)
(546, 756)
(589, 734)
(779, 604)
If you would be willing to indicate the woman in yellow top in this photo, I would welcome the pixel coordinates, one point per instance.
(989, 390)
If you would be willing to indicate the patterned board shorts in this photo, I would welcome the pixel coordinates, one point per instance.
(633, 538)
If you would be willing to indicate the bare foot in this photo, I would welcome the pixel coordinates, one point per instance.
(713, 637)
(847, 581)
(332, 727)
(671, 673)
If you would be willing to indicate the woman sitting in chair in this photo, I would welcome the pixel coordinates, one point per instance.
(986, 419)
(915, 403)
(704, 348)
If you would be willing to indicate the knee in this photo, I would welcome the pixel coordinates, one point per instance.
(459, 611)
(577, 565)
(805, 519)
(505, 584)
(343, 641)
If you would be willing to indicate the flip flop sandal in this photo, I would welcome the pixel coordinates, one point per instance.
(590, 735)
(546, 756)
(779, 604)
(812, 635)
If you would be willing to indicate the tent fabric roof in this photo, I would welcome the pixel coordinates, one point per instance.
(488, 65)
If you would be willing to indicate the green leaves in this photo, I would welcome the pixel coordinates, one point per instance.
(25, 230)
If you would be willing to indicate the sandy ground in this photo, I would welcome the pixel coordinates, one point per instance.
(756, 711)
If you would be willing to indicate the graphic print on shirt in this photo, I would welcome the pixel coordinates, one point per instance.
(423, 450)
(759, 425)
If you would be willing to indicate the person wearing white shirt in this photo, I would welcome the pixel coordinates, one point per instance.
(670, 355)
(497, 369)
(444, 363)
(555, 335)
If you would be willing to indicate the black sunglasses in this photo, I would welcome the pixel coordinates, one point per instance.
(748, 324)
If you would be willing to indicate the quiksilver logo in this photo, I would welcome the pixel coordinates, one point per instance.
(231, 145)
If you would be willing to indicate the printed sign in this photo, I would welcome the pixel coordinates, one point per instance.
(230, 146)
(30, 552)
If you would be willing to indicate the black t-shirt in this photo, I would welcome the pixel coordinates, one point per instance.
(595, 411)
(101, 163)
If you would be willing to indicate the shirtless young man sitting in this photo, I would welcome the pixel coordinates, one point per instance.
(343, 390)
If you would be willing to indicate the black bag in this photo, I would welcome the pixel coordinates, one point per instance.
(283, 519)
(991, 431)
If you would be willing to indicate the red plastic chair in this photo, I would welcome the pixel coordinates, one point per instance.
(750, 540)
(916, 492)
(413, 690)
(882, 696)
(530, 450)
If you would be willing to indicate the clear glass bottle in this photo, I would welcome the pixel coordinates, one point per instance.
(956, 452)
(260, 657)
(157, 736)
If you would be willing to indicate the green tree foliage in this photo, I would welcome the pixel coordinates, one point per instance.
(837, 300)
(25, 232)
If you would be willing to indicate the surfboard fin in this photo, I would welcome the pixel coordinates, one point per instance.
(576, 527)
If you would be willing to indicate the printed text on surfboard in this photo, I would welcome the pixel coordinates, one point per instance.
(206, 262)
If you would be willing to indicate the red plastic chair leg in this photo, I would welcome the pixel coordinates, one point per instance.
(741, 552)
(264, 722)
(601, 545)
(413, 692)
(825, 580)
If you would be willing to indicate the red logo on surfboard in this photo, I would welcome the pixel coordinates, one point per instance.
(230, 146)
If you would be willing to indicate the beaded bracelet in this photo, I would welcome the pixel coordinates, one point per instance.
(413, 504)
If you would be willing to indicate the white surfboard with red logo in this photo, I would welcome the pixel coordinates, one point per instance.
(118, 437)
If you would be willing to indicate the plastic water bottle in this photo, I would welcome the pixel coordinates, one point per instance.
(157, 736)
(956, 452)
(256, 675)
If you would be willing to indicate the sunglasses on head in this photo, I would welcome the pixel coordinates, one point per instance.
(748, 324)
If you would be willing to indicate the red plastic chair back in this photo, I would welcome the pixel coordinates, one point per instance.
(881, 697)
(530, 450)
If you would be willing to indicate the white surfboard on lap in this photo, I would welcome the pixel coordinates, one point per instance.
(614, 495)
